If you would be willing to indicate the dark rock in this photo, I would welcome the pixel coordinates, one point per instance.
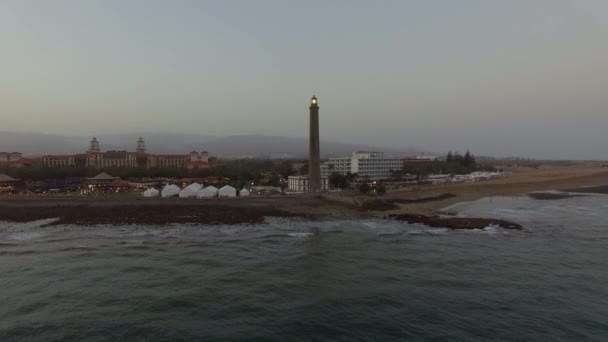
(455, 222)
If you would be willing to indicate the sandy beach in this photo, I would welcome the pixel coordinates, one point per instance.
(522, 180)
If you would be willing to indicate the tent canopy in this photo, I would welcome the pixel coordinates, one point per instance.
(190, 190)
(227, 191)
(170, 191)
(151, 193)
(207, 192)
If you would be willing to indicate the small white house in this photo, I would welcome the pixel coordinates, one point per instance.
(151, 193)
(207, 192)
(227, 191)
(170, 191)
(190, 191)
(244, 192)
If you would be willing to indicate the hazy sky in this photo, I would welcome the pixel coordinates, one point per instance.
(518, 77)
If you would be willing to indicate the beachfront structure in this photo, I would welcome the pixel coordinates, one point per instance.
(151, 193)
(8, 183)
(190, 191)
(227, 191)
(372, 165)
(170, 190)
(300, 184)
(207, 192)
(95, 158)
(244, 192)
(101, 179)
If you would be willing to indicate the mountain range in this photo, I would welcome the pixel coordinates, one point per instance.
(235, 146)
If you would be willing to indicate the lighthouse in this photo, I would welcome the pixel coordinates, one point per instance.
(314, 165)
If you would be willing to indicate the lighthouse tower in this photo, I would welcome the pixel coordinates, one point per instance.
(314, 165)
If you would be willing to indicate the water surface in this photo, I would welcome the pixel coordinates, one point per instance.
(292, 279)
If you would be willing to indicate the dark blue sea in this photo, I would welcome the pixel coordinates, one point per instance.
(285, 280)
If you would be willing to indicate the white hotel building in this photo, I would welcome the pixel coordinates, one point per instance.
(374, 165)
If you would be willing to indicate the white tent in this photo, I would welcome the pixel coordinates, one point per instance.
(190, 190)
(207, 192)
(170, 191)
(244, 192)
(227, 191)
(151, 193)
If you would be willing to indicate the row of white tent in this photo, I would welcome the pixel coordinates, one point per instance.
(195, 190)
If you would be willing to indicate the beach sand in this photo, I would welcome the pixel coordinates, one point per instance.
(522, 180)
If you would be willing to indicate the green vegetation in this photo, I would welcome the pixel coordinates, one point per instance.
(364, 188)
(337, 180)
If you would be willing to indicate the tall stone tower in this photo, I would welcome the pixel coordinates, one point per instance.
(314, 165)
(141, 145)
(94, 146)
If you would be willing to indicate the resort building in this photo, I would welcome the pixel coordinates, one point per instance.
(95, 158)
(300, 183)
(420, 160)
(372, 165)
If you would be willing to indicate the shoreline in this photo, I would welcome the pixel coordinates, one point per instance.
(593, 181)
(423, 206)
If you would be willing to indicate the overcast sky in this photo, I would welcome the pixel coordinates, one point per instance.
(520, 77)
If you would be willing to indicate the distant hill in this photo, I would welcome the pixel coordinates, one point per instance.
(237, 146)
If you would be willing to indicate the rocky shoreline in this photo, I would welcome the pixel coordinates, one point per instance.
(455, 222)
(87, 215)
(220, 213)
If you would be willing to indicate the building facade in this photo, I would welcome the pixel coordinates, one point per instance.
(301, 184)
(372, 165)
(95, 158)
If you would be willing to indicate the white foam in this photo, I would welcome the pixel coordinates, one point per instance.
(491, 229)
(300, 234)
(428, 231)
(26, 236)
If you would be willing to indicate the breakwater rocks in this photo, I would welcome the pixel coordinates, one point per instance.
(455, 222)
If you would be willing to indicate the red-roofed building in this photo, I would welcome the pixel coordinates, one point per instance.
(8, 157)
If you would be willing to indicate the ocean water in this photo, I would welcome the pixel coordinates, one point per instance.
(300, 280)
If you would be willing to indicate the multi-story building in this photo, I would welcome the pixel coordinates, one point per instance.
(95, 158)
(58, 160)
(300, 183)
(372, 165)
